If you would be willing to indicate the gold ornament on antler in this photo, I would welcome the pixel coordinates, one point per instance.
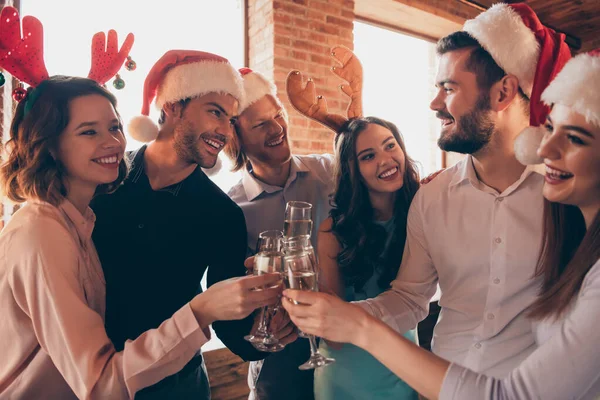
(305, 100)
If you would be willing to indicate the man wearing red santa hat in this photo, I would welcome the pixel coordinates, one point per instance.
(476, 229)
(564, 315)
(160, 231)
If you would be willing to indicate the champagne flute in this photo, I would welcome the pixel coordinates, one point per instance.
(297, 220)
(298, 245)
(300, 274)
(269, 259)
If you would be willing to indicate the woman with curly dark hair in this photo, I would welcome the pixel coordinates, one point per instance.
(361, 245)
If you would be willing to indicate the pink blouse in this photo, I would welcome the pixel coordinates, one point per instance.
(52, 301)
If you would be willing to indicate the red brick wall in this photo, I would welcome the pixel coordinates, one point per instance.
(297, 34)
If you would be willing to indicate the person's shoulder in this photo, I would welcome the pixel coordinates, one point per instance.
(313, 161)
(211, 193)
(237, 191)
(592, 278)
(442, 181)
(326, 225)
(34, 227)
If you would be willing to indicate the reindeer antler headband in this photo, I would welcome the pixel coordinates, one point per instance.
(305, 101)
(22, 55)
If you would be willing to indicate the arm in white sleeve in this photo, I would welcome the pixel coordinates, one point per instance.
(567, 366)
(407, 302)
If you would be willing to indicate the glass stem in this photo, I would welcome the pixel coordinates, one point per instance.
(262, 326)
(313, 345)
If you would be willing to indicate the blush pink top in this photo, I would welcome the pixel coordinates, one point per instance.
(52, 301)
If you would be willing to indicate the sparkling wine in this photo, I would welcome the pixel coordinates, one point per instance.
(301, 280)
(295, 228)
(267, 262)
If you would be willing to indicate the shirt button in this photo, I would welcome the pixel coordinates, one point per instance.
(491, 316)
(496, 281)
(140, 226)
(498, 240)
(477, 345)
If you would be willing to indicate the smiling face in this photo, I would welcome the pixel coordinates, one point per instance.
(204, 127)
(571, 152)
(262, 132)
(380, 159)
(92, 145)
(463, 108)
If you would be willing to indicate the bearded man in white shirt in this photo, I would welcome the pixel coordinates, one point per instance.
(476, 229)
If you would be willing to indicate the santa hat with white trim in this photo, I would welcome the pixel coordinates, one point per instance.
(182, 74)
(576, 86)
(256, 86)
(522, 46)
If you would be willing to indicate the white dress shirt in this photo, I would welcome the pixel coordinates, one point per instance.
(263, 205)
(565, 366)
(482, 247)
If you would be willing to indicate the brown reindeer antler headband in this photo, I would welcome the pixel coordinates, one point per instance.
(22, 55)
(305, 101)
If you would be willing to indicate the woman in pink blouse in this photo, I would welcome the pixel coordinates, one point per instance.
(566, 365)
(66, 145)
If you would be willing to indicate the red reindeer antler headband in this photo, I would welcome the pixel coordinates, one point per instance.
(22, 55)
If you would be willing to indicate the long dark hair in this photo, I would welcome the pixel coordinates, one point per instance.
(361, 239)
(31, 171)
(568, 252)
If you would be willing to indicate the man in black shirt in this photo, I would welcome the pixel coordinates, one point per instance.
(159, 232)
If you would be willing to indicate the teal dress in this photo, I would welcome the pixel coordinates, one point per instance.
(356, 374)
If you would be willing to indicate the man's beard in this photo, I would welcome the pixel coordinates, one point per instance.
(473, 131)
(186, 146)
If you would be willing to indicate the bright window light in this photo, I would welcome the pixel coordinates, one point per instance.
(399, 77)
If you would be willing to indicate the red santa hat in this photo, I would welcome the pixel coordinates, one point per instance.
(181, 74)
(256, 86)
(576, 86)
(519, 43)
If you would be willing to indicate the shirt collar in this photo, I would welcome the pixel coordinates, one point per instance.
(84, 224)
(467, 172)
(255, 187)
(137, 170)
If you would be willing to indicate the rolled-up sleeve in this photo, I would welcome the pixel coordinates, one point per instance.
(407, 302)
(46, 281)
(567, 366)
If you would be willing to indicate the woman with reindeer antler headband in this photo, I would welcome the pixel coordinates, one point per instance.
(360, 245)
(67, 145)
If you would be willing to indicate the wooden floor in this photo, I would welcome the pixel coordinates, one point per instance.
(227, 374)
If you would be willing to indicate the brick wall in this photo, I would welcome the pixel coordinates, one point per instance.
(297, 34)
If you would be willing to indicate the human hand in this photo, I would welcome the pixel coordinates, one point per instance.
(431, 177)
(325, 315)
(249, 264)
(282, 327)
(236, 298)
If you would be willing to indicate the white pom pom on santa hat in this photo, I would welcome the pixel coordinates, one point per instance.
(142, 128)
(256, 86)
(182, 74)
(527, 144)
(576, 86)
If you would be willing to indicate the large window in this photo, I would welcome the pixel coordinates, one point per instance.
(158, 26)
(399, 78)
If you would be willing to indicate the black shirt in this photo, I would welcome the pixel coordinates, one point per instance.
(154, 247)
